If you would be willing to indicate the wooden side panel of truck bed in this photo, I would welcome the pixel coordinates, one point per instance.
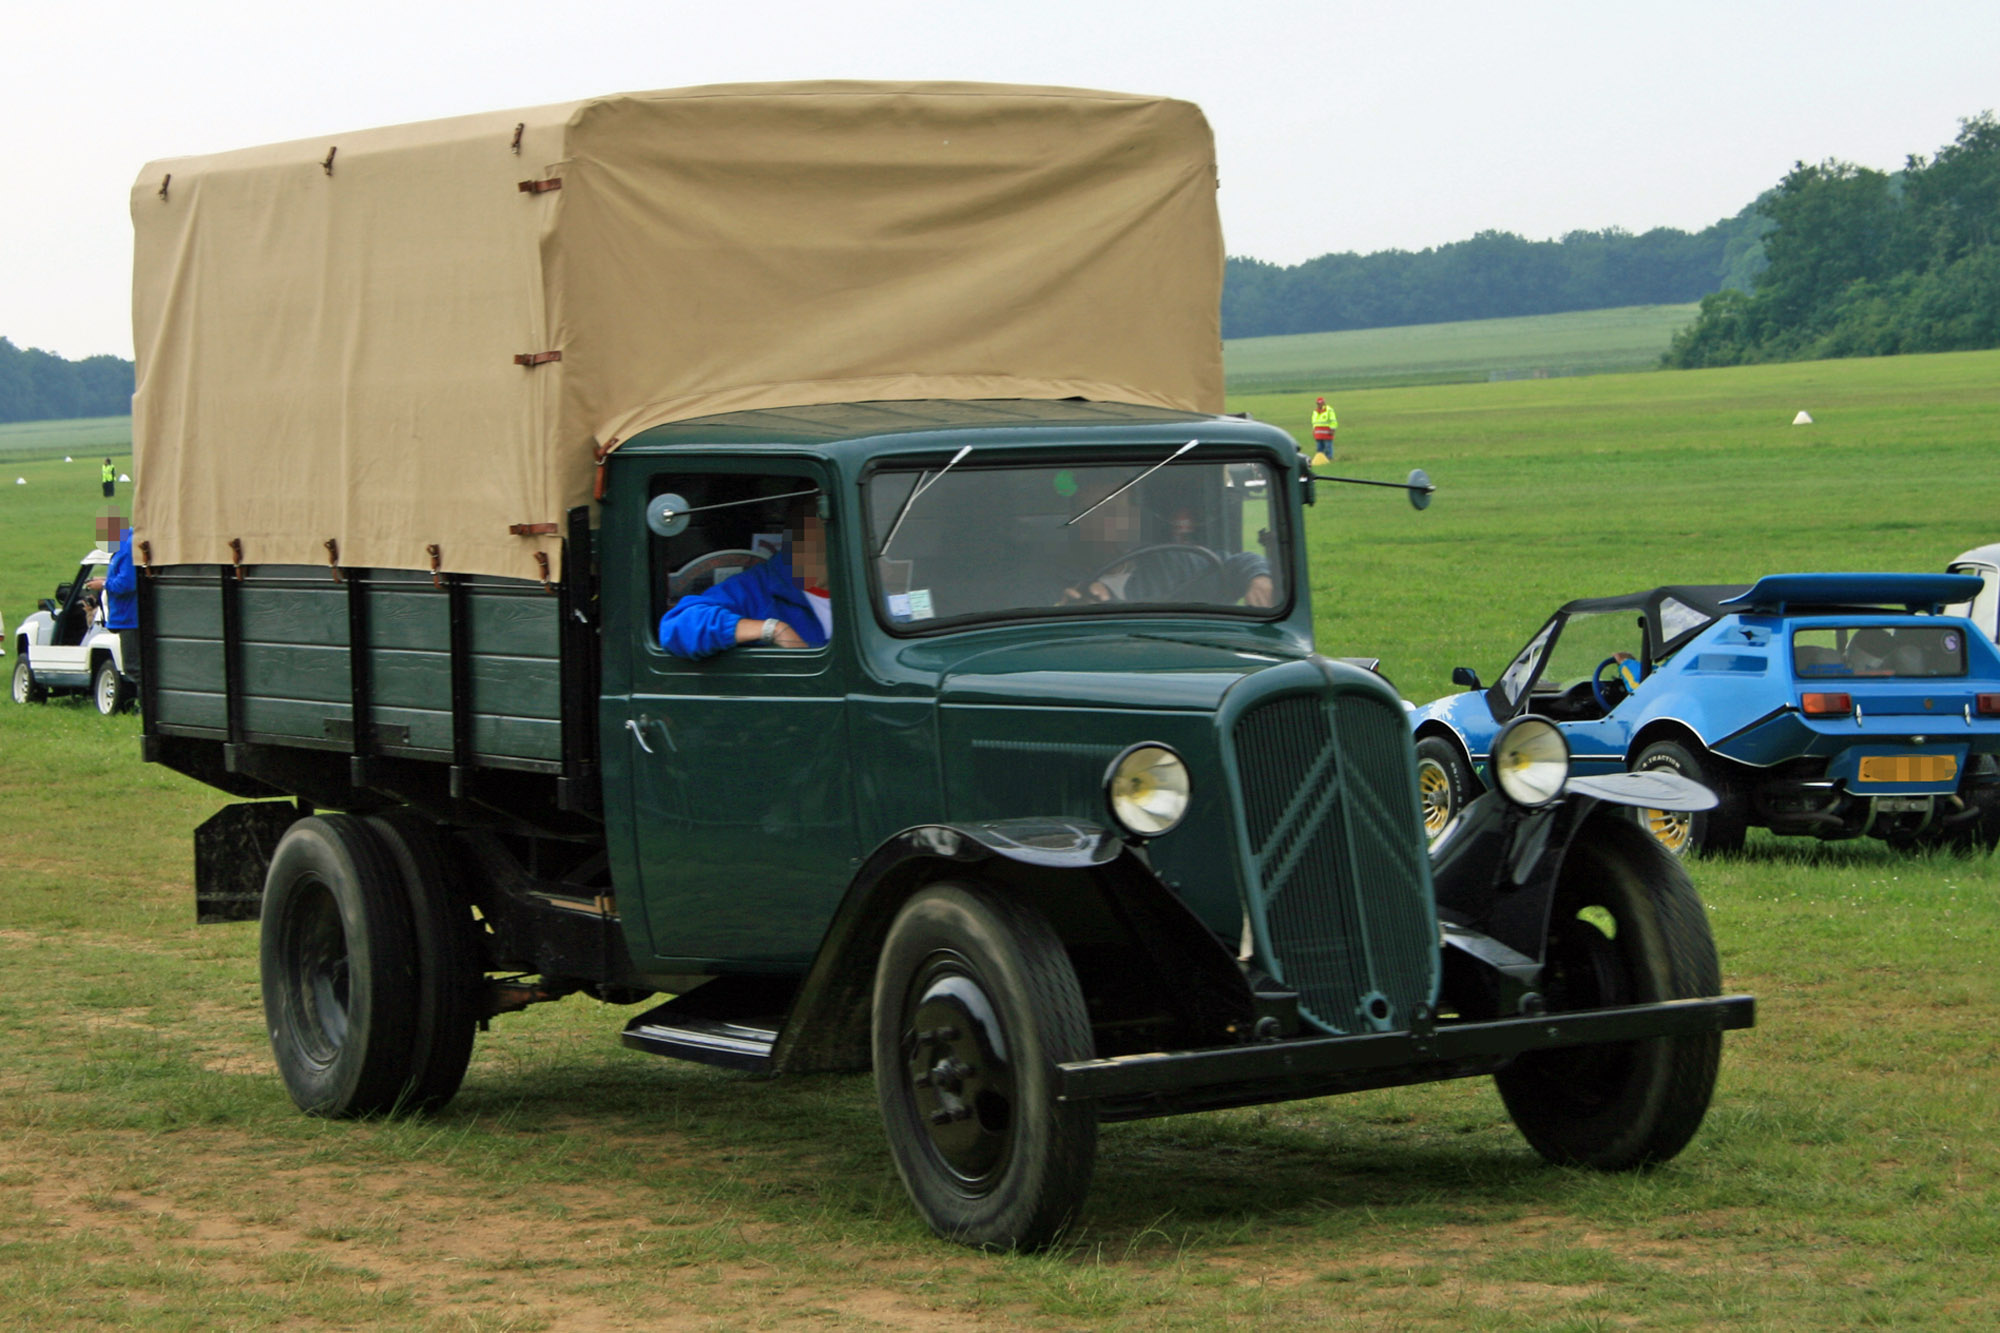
(466, 670)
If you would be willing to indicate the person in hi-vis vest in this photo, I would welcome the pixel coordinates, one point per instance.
(110, 475)
(1324, 425)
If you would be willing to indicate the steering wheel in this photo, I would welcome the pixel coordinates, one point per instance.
(1169, 559)
(1614, 690)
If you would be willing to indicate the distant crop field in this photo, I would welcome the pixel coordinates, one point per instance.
(1587, 342)
(153, 1173)
(75, 437)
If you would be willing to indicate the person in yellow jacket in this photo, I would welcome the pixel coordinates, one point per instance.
(1325, 423)
(110, 478)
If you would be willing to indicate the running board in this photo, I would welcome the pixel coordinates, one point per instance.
(709, 1041)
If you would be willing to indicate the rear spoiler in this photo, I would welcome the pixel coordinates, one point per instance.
(1778, 593)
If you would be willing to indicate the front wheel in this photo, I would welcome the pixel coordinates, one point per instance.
(338, 965)
(1626, 927)
(1444, 783)
(1682, 831)
(975, 1005)
(26, 691)
(107, 689)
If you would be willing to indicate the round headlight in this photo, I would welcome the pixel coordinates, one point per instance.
(1147, 787)
(1530, 761)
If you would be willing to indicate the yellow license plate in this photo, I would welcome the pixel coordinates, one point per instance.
(1909, 768)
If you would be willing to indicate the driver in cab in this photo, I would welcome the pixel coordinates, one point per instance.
(1107, 535)
(781, 602)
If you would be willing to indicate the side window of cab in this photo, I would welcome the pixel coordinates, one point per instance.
(738, 562)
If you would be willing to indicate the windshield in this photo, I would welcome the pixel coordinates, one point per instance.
(980, 540)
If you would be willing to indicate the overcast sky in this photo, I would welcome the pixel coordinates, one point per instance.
(1340, 126)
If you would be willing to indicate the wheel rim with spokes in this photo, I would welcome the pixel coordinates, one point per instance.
(1434, 790)
(22, 681)
(1673, 828)
(107, 692)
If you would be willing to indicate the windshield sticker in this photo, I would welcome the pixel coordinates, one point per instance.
(1065, 483)
(920, 604)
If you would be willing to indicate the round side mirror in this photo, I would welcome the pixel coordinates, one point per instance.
(1420, 488)
(667, 515)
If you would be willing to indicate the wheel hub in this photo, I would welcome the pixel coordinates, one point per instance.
(318, 943)
(960, 1076)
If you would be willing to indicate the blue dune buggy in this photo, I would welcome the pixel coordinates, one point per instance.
(1833, 705)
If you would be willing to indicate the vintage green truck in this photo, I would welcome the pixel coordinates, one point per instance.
(1066, 822)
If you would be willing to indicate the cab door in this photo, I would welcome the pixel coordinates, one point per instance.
(742, 814)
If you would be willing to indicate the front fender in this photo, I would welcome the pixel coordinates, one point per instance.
(1096, 890)
(1495, 868)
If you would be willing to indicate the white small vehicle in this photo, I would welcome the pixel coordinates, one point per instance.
(1984, 609)
(63, 648)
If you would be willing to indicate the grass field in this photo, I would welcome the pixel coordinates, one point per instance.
(152, 1172)
(1585, 342)
(85, 436)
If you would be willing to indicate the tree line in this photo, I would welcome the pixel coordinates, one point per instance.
(41, 386)
(1492, 275)
(1868, 263)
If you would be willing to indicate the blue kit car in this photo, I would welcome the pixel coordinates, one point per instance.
(1833, 705)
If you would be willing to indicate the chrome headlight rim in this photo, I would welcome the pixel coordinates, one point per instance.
(1530, 762)
(1147, 789)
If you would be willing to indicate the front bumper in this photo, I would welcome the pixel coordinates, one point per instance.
(1169, 1082)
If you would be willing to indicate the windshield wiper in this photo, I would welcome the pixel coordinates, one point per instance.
(916, 490)
(1130, 484)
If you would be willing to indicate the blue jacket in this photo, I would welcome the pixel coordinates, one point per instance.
(705, 624)
(121, 588)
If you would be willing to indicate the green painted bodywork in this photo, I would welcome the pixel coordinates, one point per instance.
(774, 774)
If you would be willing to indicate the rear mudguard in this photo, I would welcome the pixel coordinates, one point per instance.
(1092, 886)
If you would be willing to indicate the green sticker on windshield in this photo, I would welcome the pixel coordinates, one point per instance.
(1065, 483)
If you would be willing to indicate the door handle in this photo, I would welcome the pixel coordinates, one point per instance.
(637, 726)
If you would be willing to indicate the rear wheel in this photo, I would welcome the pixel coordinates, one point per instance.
(449, 960)
(1444, 783)
(975, 1004)
(1626, 927)
(26, 691)
(1680, 831)
(339, 971)
(107, 688)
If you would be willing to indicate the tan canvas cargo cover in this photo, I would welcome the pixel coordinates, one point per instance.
(422, 335)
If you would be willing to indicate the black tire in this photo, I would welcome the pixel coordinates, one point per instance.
(339, 968)
(449, 960)
(1703, 831)
(975, 1004)
(107, 688)
(1445, 784)
(26, 691)
(1618, 1107)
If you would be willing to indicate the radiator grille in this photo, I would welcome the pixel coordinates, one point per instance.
(1339, 884)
